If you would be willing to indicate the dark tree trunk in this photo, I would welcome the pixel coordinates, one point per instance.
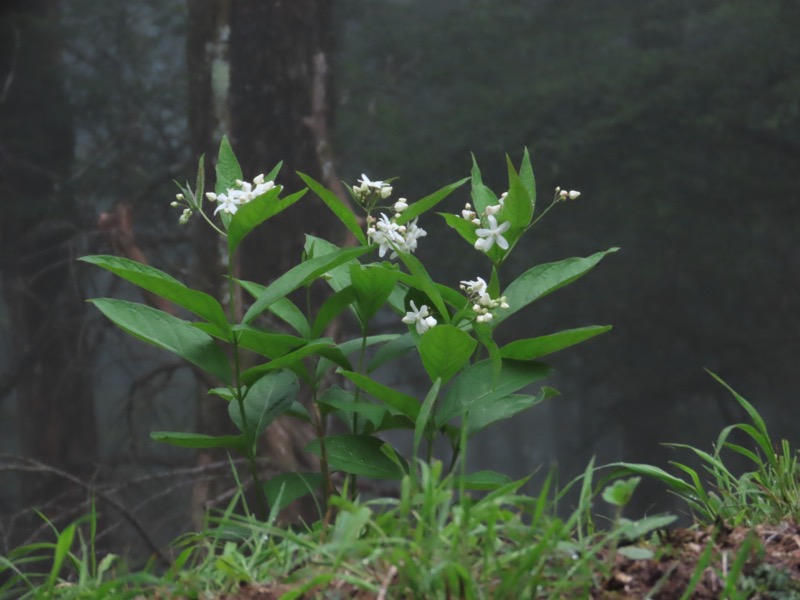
(49, 366)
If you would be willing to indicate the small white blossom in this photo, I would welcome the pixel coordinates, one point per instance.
(419, 317)
(573, 194)
(490, 235)
(211, 196)
(390, 236)
(244, 192)
(400, 205)
(474, 287)
(493, 209)
(563, 194)
(367, 188)
(227, 203)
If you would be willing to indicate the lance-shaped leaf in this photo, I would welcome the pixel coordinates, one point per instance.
(285, 488)
(423, 424)
(415, 209)
(422, 281)
(337, 399)
(477, 386)
(394, 348)
(372, 287)
(321, 347)
(338, 277)
(407, 405)
(466, 229)
(170, 333)
(444, 350)
(482, 196)
(199, 440)
(527, 178)
(481, 480)
(484, 413)
(283, 308)
(517, 207)
(271, 345)
(228, 169)
(254, 213)
(543, 279)
(332, 308)
(531, 348)
(338, 206)
(166, 286)
(267, 398)
(357, 454)
(300, 275)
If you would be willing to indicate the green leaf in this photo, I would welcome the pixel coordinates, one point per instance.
(527, 178)
(482, 196)
(372, 287)
(199, 440)
(271, 345)
(285, 488)
(476, 386)
(481, 481)
(444, 349)
(517, 207)
(422, 281)
(394, 348)
(283, 308)
(167, 332)
(288, 361)
(621, 491)
(300, 275)
(423, 419)
(338, 277)
(338, 206)
(407, 405)
(466, 229)
(332, 308)
(357, 454)
(267, 398)
(62, 547)
(675, 483)
(161, 284)
(254, 213)
(544, 279)
(485, 413)
(422, 205)
(228, 169)
(531, 348)
(335, 398)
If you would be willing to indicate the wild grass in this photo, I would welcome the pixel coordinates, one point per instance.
(435, 539)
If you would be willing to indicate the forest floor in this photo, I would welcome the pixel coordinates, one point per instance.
(768, 558)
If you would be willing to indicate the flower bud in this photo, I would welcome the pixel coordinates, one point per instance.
(493, 209)
(563, 194)
(259, 179)
(187, 213)
(211, 196)
(386, 192)
(174, 204)
(180, 196)
(400, 205)
(574, 194)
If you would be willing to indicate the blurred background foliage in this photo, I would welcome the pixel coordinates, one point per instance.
(676, 119)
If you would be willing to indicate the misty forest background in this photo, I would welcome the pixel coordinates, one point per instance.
(678, 120)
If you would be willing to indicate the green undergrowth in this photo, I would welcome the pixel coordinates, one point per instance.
(435, 539)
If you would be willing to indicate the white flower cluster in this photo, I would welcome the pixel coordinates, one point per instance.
(367, 189)
(243, 193)
(392, 236)
(483, 304)
(420, 317)
(492, 233)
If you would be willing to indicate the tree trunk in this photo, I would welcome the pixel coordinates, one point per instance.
(49, 368)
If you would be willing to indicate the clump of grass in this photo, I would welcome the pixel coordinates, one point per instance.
(767, 494)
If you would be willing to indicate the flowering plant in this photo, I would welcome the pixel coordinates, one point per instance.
(474, 381)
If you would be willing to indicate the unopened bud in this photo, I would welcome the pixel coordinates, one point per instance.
(211, 196)
(187, 213)
(259, 179)
(180, 196)
(493, 209)
(174, 204)
(400, 205)
(386, 192)
(574, 194)
(563, 194)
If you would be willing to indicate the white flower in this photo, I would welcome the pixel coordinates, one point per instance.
(411, 234)
(420, 317)
(477, 287)
(228, 202)
(490, 235)
(400, 205)
(391, 236)
(573, 194)
(493, 209)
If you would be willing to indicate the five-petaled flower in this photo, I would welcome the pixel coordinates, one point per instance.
(419, 317)
(489, 235)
